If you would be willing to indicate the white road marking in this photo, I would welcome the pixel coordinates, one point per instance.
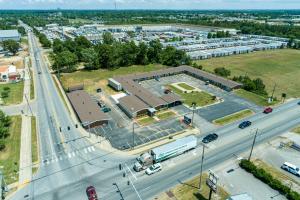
(73, 153)
(130, 172)
(85, 151)
(69, 155)
(93, 148)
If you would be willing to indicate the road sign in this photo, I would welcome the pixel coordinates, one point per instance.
(212, 181)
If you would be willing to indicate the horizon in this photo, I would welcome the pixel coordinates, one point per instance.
(149, 5)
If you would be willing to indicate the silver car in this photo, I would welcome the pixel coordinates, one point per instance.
(153, 169)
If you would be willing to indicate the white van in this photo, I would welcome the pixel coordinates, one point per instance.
(291, 168)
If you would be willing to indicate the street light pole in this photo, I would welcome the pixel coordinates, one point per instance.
(201, 168)
(254, 139)
(132, 134)
(194, 107)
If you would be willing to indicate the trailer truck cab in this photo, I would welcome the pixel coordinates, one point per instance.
(165, 152)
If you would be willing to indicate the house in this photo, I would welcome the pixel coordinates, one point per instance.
(10, 73)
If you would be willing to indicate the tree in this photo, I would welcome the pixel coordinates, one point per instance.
(44, 40)
(11, 46)
(58, 46)
(209, 35)
(106, 56)
(82, 42)
(141, 57)
(65, 61)
(221, 71)
(173, 57)
(89, 56)
(154, 51)
(107, 38)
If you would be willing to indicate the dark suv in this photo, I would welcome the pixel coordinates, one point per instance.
(245, 124)
(210, 138)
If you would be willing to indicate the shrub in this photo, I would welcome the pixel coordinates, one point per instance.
(268, 179)
(2, 145)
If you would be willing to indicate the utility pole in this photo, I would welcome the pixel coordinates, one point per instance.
(253, 144)
(273, 91)
(194, 107)
(132, 134)
(201, 168)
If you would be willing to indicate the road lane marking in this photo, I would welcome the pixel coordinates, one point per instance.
(130, 171)
(85, 150)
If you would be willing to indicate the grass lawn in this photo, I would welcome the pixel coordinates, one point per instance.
(10, 157)
(278, 66)
(31, 86)
(15, 96)
(190, 191)
(201, 98)
(296, 130)
(165, 115)
(145, 120)
(257, 99)
(34, 143)
(92, 79)
(233, 117)
(186, 86)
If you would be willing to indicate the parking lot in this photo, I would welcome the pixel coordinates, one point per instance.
(230, 103)
(123, 138)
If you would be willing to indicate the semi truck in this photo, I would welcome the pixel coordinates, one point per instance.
(165, 152)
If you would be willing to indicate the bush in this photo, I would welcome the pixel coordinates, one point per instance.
(6, 88)
(221, 71)
(268, 179)
(2, 145)
(4, 94)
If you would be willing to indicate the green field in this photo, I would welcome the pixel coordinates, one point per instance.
(257, 99)
(234, 117)
(279, 66)
(15, 94)
(165, 115)
(186, 86)
(144, 121)
(92, 79)
(200, 98)
(9, 158)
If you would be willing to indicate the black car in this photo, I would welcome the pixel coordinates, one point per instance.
(245, 124)
(210, 138)
(299, 103)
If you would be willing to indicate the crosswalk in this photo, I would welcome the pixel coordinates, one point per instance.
(69, 155)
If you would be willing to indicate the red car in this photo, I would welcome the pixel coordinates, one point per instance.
(91, 193)
(268, 110)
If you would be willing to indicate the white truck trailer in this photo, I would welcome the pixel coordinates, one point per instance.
(165, 152)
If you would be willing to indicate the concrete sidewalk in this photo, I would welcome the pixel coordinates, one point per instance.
(25, 168)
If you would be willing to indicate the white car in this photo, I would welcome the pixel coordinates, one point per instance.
(291, 168)
(153, 169)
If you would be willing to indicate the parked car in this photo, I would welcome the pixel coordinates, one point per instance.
(167, 91)
(91, 193)
(106, 109)
(299, 103)
(153, 168)
(210, 138)
(291, 168)
(268, 110)
(245, 124)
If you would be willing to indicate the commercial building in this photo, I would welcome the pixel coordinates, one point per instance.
(87, 110)
(9, 35)
(141, 101)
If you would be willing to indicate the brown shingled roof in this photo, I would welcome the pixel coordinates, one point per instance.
(87, 110)
(133, 104)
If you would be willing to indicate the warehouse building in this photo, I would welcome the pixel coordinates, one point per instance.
(9, 35)
(87, 110)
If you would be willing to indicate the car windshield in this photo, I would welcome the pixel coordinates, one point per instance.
(152, 167)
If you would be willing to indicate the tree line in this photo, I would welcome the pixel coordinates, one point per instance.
(218, 34)
(110, 54)
(5, 122)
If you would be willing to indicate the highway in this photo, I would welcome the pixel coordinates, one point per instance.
(67, 169)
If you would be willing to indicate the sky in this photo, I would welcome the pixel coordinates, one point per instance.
(150, 4)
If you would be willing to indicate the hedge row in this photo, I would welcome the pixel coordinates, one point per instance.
(268, 179)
